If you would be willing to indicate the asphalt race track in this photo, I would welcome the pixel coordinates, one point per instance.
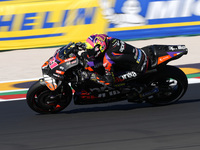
(113, 126)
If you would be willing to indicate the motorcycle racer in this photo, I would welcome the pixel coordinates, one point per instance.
(69, 67)
(112, 53)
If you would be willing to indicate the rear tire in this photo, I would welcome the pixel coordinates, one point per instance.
(172, 84)
(38, 99)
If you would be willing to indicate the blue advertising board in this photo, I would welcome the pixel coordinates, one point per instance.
(138, 19)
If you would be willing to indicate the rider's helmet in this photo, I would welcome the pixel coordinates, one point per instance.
(96, 44)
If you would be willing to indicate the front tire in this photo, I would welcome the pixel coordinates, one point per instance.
(172, 84)
(39, 98)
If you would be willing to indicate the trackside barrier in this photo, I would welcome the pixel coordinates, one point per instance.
(48, 23)
(41, 23)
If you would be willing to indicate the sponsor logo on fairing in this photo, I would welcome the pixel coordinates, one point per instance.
(129, 75)
(60, 72)
(102, 92)
(139, 56)
(73, 62)
(116, 43)
(69, 59)
(173, 48)
(62, 68)
(135, 50)
(122, 46)
(56, 75)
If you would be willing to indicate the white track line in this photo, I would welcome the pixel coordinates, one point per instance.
(193, 80)
(20, 80)
(8, 100)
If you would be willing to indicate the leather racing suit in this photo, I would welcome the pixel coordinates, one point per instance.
(119, 56)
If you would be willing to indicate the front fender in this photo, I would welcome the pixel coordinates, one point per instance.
(50, 82)
(41, 81)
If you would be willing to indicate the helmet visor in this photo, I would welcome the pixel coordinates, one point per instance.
(90, 50)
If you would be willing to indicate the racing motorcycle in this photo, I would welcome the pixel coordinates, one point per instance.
(63, 81)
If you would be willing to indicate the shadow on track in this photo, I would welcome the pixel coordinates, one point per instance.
(117, 107)
(187, 101)
(124, 107)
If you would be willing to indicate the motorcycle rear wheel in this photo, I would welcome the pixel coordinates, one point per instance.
(39, 99)
(172, 84)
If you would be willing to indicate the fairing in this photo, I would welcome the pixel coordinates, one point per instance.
(162, 54)
(54, 69)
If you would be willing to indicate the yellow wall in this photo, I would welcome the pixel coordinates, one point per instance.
(28, 24)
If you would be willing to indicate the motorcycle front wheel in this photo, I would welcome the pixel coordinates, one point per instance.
(42, 100)
(172, 84)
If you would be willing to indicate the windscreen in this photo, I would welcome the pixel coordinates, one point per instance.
(64, 51)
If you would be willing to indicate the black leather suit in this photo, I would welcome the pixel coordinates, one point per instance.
(119, 56)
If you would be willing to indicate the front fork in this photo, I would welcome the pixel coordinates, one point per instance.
(57, 94)
(50, 82)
